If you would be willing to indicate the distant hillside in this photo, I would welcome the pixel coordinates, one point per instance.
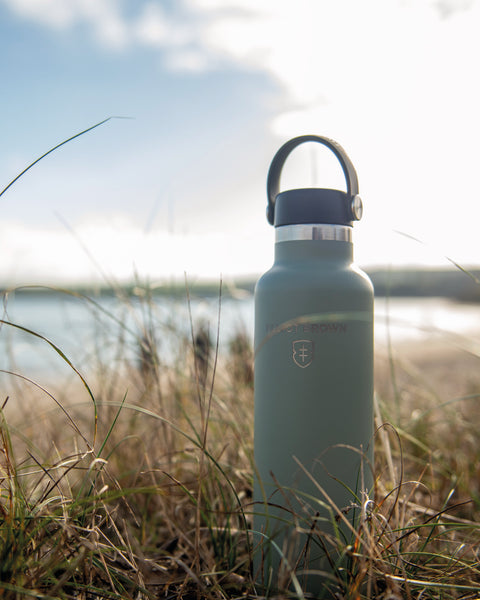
(450, 283)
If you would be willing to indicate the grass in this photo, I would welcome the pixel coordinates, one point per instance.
(133, 485)
(136, 480)
(137, 484)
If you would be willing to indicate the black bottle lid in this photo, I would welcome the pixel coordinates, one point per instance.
(312, 205)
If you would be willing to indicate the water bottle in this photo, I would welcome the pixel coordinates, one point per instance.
(313, 343)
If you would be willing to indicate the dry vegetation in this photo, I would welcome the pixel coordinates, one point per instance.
(137, 482)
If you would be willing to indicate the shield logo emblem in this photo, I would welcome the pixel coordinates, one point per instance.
(302, 353)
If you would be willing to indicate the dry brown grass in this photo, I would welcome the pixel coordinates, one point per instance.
(143, 488)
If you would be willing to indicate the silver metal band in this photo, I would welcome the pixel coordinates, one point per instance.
(291, 233)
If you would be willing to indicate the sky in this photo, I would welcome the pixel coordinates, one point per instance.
(204, 92)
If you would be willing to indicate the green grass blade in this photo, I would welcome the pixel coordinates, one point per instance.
(64, 358)
(53, 150)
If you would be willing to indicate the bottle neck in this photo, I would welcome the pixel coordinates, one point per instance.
(314, 241)
(292, 233)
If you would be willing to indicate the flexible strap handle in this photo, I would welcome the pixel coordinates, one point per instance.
(273, 179)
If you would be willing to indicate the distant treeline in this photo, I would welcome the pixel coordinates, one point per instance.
(458, 284)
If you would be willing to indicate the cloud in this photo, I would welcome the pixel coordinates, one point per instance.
(114, 248)
(303, 44)
(178, 34)
(53, 13)
(448, 8)
(103, 18)
(151, 26)
(320, 52)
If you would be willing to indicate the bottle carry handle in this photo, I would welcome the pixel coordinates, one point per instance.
(275, 171)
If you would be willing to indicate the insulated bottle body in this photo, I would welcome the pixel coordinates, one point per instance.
(313, 408)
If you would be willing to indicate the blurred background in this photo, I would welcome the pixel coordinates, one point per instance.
(202, 94)
(211, 89)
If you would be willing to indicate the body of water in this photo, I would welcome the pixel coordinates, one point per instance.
(110, 329)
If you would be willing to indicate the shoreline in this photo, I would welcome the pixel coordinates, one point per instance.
(443, 367)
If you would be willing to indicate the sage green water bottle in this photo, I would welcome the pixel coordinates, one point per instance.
(313, 387)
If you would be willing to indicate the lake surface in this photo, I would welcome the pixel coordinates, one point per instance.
(110, 329)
